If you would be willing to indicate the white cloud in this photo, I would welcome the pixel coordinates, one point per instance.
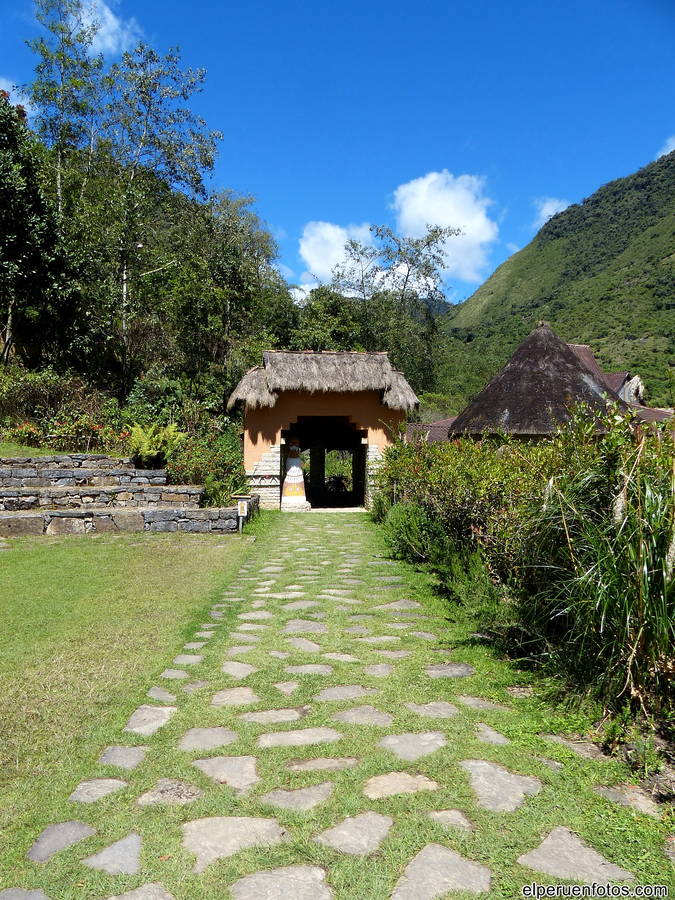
(114, 34)
(322, 247)
(511, 247)
(547, 207)
(668, 147)
(16, 96)
(441, 198)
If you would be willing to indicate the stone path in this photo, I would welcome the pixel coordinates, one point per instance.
(354, 778)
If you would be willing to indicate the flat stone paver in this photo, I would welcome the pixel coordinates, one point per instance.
(344, 692)
(305, 645)
(192, 686)
(412, 746)
(55, 838)
(379, 670)
(288, 883)
(96, 789)
(120, 858)
(450, 670)
(630, 795)
(21, 894)
(310, 669)
(323, 764)
(300, 799)
(300, 604)
(238, 772)
(399, 605)
(145, 892)
(146, 720)
(174, 674)
(489, 735)
(188, 659)
(496, 788)
(437, 709)
(562, 854)
(397, 783)
(299, 738)
(170, 792)
(207, 738)
(436, 870)
(341, 657)
(222, 836)
(480, 703)
(451, 818)
(238, 696)
(305, 626)
(287, 687)
(357, 835)
(237, 669)
(364, 715)
(123, 757)
(160, 693)
(273, 716)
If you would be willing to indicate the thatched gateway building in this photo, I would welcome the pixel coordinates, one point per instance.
(349, 401)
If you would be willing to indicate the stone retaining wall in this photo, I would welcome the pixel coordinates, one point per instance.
(77, 497)
(216, 520)
(33, 476)
(67, 461)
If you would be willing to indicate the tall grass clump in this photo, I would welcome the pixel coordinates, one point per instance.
(598, 589)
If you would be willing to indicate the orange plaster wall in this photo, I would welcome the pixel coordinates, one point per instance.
(263, 426)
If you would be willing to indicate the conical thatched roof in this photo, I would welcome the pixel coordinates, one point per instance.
(322, 372)
(536, 390)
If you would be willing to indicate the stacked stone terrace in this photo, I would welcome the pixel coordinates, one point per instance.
(83, 493)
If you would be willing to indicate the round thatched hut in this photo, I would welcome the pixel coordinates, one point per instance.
(347, 401)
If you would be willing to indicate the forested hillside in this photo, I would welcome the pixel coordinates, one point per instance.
(601, 272)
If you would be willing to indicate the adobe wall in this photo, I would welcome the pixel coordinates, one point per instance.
(263, 426)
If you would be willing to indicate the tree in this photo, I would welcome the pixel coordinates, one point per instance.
(409, 268)
(31, 266)
(66, 88)
(152, 143)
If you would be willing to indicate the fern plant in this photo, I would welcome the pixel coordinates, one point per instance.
(152, 445)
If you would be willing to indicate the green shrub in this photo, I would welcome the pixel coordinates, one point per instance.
(214, 459)
(152, 446)
(575, 533)
(412, 534)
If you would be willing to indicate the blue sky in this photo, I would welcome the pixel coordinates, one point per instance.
(482, 114)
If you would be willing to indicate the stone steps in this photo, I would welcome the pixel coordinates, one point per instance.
(67, 461)
(83, 493)
(213, 520)
(31, 476)
(14, 499)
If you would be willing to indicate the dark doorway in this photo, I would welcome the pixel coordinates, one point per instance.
(343, 482)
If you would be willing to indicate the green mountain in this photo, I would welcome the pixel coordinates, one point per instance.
(601, 272)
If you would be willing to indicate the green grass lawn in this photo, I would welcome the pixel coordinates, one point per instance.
(10, 449)
(87, 623)
(90, 623)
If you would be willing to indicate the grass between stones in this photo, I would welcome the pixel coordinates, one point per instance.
(105, 598)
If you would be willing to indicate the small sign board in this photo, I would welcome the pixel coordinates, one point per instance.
(242, 508)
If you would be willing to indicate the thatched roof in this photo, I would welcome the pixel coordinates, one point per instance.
(431, 432)
(536, 390)
(322, 372)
